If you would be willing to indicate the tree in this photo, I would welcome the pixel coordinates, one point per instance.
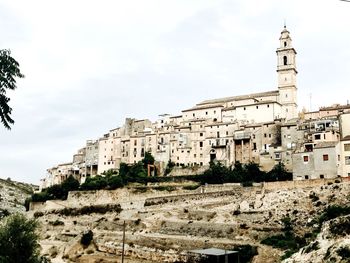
(148, 159)
(18, 240)
(9, 70)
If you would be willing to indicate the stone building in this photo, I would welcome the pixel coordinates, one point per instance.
(261, 127)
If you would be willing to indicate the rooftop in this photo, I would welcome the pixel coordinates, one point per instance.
(213, 251)
(240, 97)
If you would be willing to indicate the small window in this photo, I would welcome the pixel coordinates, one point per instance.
(206, 113)
(347, 160)
(244, 108)
(201, 144)
(321, 176)
(306, 177)
(201, 134)
(325, 157)
(347, 147)
(306, 158)
(265, 135)
(257, 107)
(214, 111)
(194, 114)
(285, 60)
(268, 105)
(285, 43)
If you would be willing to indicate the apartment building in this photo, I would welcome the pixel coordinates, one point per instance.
(261, 127)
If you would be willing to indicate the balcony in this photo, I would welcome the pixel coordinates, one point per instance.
(242, 135)
(219, 143)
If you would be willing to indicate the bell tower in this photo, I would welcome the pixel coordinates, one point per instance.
(287, 72)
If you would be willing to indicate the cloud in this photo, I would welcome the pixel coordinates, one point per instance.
(90, 65)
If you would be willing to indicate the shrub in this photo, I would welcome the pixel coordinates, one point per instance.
(86, 238)
(344, 252)
(246, 252)
(333, 211)
(190, 187)
(98, 209)
(340, 227)
(56, 223)
(18, 234)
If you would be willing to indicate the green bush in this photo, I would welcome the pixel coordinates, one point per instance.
(246, 252)
(344, 253)
(19, 241)
(190, 187)
(98, 209)
(333, 211)
(86, 238)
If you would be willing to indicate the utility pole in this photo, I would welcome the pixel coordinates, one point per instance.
(123, 242)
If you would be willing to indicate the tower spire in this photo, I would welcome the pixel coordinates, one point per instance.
(284, 25)
(287, 72)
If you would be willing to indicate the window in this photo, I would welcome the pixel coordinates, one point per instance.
(218, 134)
(254, 146)
(244, 108)
(306, 158)
(194, 155)
(214, 111)
(306, 177)
(270, 135)
(268, 105)
(317, 136)
(325, 157)
(347, 147)
(321, 176)
(194, 114)
(285, 43)
(265, 135)
(285, 60)
(201, 134)
(347, 160)
(277, 155)
(201, 144)
(226, 132)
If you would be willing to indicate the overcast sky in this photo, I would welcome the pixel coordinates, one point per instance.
(91, 64)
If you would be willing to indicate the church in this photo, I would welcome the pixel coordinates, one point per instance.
(259, 127)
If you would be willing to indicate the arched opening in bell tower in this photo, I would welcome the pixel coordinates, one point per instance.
(285, 60)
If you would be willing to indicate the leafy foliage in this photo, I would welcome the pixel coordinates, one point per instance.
(58, 191)
(18, 240)
(333, 211)
(245, 174)
(86, 238)
(9, 70)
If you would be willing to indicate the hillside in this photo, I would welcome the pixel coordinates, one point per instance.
(161, 226)
(13, 195)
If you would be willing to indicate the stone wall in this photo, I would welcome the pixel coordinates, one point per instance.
(301, 183)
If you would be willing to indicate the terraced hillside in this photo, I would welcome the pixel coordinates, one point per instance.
(13, 195)
(163, 226)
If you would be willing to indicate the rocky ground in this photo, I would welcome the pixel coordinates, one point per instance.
(164, 229)
(13, 195)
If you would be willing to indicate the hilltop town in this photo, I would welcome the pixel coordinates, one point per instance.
(264, 128)
(301, 220)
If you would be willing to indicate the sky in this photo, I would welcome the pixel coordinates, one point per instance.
(88, 64)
